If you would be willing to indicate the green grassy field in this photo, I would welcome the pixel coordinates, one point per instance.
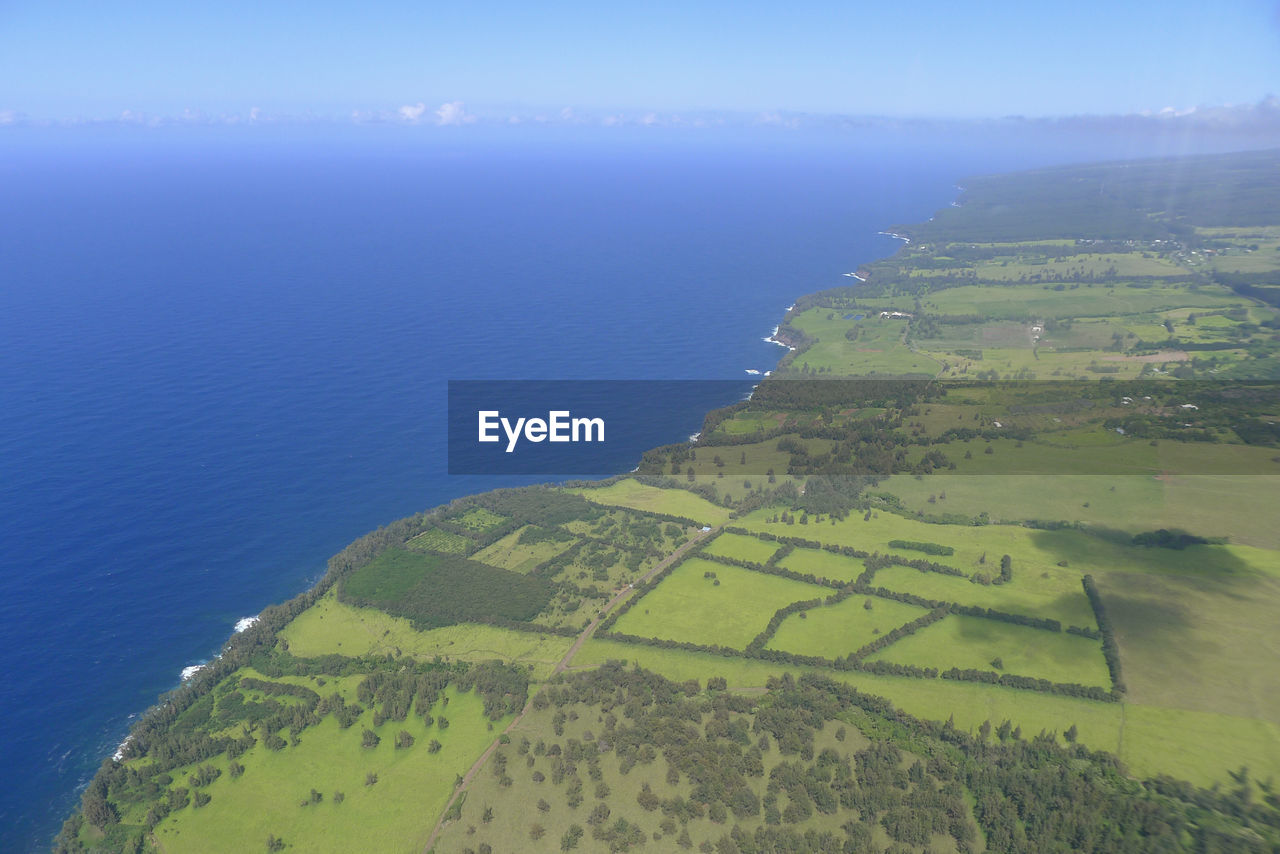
(510, 553)
(837, 630)
(330, 627)
(1209, 505)
(1203, 640)
(823, 564)
(388, 816)
(1040, 301)
(686, 606)
(973, 643)
(878, 349)
(1215, 744)
(741, 548)
(1059, 596)
(479, 519)
(437, 540)
(675, 502)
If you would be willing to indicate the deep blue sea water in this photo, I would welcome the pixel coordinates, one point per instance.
(220, 361)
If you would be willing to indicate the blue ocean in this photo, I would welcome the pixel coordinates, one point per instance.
(224, 357)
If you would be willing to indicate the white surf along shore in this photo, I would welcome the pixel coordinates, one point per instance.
(242, 624)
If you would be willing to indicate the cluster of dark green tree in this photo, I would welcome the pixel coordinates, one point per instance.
(915, 782)
(435, 590)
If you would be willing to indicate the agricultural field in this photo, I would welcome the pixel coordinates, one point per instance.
(479, 519)
(1214, 505)
(830, 631)
(522, 550)
(738, 547)
(709, 603)
(672, 502)
(878, 346)
(272, 797)
(824, 564)
(1092, 562)
(438, 540)
(331, 627)
(970, 643)
(1044, 302)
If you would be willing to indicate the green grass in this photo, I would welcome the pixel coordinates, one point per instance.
(742, 548)
(1059, 596)
(932, 699)
(331, 627)
(674, 502)
(973, 643)
(1210, 505)
(741, 674)
(1208, 745)
(878, 348)
(824, 564)
(437, 540)
(1034, 300)
(1124, 264)
(510, 553)
(396, 814)
(1204, 640)
(389, 576)
(837, 630)
(688, 607)
(479, 519)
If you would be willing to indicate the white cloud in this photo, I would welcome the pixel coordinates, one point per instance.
(412, 112)
(452, 113)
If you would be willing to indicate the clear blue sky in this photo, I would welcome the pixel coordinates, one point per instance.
(62, 60)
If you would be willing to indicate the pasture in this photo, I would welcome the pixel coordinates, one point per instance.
(831, 631)
(739, 547)
(974, 643)
(439, 540)
(689, 605)
(638, 496)
(331, 627)
(386, 816)
(510, 553)
(824, 564)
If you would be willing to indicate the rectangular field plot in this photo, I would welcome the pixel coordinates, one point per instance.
(674, 502)
(436, 540)
(824, 564)
(689, 606)
(330, 627)
(974, 643)
(1059, 596)
(739, 547)
(837, 630)
(522, 550)
(479, 519)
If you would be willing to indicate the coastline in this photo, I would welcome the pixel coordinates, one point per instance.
(251, 633)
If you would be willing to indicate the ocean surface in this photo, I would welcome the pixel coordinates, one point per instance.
(223, 359)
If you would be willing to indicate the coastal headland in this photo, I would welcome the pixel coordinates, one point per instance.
(989, 562)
